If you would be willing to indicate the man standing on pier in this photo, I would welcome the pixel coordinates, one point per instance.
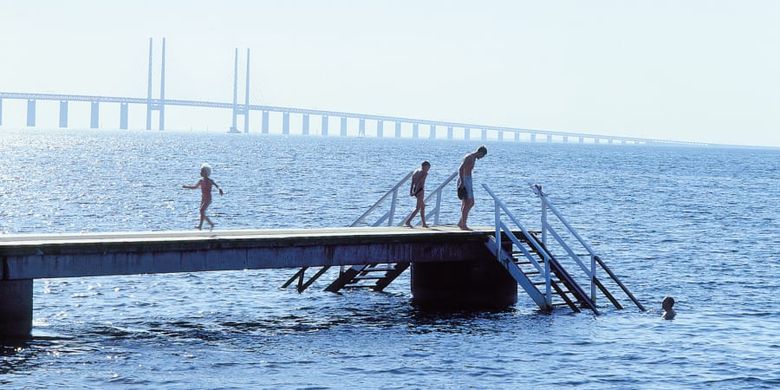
(466, 184)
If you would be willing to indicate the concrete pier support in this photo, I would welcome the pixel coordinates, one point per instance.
(94, 117)
(449, 132)
(31, 113)
(533, 137)
(397, 129)
(517, 136)
(432, 132)
(478, 284)
(16, 303)
(415, 131)
(466, 133)
(343, 126)
(549, 138)
(380, 129)
(1, 112)
(362, 128)
(264, 128)
(305, 129)
(610, 141)
(500, 135)
(63, 114)
(483, 135)
(286, 123)
(324, 126)
(582, 140)
(123, 116)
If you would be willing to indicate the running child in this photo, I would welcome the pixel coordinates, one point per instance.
(205, 184)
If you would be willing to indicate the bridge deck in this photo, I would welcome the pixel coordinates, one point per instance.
(93, 254)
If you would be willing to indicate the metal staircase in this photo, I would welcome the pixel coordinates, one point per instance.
(373, 276)
(531, 262)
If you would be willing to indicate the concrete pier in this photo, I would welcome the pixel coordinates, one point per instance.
(305, 129)
(63, 114)
(477, 284)
(264, 128)
(324, 126)
(30, 113)
(94, 118)
(16, 304)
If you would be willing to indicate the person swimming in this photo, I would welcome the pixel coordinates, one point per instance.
(668, 310)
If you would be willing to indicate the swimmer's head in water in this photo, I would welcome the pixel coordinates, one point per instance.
(667, 303)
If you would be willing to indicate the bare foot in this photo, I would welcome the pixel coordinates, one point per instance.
(408, 224)
(425, 226)
(198, 227)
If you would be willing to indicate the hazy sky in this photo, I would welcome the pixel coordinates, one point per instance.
(687, 70)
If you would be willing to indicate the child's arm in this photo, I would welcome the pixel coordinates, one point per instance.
(217, 185)
(192, 187)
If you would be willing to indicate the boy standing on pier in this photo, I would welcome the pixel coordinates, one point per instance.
(417, 190)
(466, 184)
(205, 184)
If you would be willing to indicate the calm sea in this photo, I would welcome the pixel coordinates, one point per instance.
(699, 224)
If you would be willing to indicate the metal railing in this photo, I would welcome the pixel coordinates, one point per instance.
(436, 211)
(388, 216)
(501, 227)
(594, 259)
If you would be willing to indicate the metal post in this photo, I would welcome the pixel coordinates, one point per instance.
(235, 92)
(149, 91)
(392, 208)
(544, 217)
(94, 121)
(449, 132)
(265, 129)
(324, 126)
(415, 131)
(123, 116)
(397, 129)
(246, 96)
(362, 127)
(286, 123)
(593, 278)
(380, 128)
(305, 124)
(438, 208)
(31, 113)
(497, 215)
(343, 126)
(63, 114)
(547, 289)
(162, 89)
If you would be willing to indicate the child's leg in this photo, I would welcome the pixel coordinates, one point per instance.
(408, 222)
(421, 207)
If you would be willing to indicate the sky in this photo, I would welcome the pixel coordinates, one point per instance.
(695, 70)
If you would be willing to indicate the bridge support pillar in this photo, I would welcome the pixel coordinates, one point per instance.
(343, 126)
(362, 128)
(63, 114)
(1, 112)
(397, 129)
(517, 136)
(565, 139)
(500, 135)
(324, 125)
(123, 116)
(286, 123)
(380, 128)
(264, 129)
(432, 132)
(478, 284)
(533, 137)
(94, 120)
(415, 131)
(483, 135)
(582, 140)
(449, 132)
(549, 138)
(30, 113)
(305, 129)
(16, 303)
(466, 134)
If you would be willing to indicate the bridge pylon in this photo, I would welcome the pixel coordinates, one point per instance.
(242, 109)
(152, 104)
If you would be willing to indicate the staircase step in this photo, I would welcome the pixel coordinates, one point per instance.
(542, 283)
(368, 277)
(379, 269)
(359, 286)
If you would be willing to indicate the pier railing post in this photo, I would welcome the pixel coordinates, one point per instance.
(593, 278)
(392, 208)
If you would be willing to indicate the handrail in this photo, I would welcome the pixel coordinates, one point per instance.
(594, 258)
(500, 206)
(438, 191)
(388, 193)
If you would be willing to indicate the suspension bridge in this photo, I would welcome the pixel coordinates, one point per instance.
(312, 121)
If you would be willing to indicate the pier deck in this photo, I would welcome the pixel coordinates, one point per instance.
(94, 254)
